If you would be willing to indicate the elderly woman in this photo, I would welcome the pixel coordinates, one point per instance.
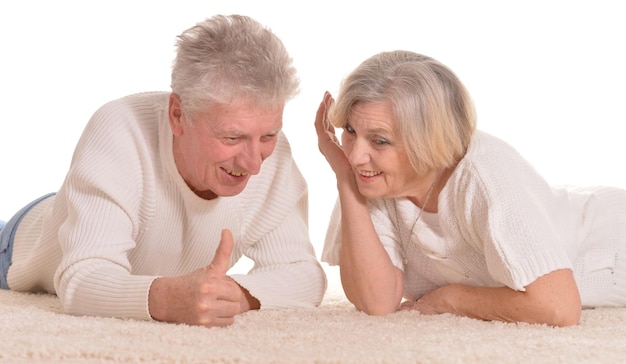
(452, 219)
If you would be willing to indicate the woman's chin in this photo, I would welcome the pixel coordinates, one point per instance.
(370, 193)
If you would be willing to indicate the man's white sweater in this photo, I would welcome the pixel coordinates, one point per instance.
(124, 216)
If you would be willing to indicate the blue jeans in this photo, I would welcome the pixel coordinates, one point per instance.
(7, 235)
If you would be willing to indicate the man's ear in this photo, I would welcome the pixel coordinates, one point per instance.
(176, 115)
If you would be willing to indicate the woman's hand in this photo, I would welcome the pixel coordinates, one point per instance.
(552, 299)
(369, 279)
(327, 141)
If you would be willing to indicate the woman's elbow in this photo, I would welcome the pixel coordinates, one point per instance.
(569, 316)
(563, 315)
(376, 309)
(374, 306)
(556, 299)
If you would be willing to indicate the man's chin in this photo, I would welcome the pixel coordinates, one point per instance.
(230, 188)
(221, 192)
(231, 191)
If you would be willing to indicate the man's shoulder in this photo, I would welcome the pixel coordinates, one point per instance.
(141, 98)
(139, 106)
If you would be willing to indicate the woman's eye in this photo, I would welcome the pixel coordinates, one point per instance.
(381, 142)
(349, 129)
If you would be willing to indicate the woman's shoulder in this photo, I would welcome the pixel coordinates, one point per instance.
(484, 143)
(490, 154)
(491, 165)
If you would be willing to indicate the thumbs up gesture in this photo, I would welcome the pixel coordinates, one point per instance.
(204, 297)
(221, 260)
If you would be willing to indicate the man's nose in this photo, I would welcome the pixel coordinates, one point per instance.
(253, 158)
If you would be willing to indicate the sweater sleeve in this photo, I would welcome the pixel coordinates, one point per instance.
(104, 197)
(513, 216)
(332, 241)
(286, 273)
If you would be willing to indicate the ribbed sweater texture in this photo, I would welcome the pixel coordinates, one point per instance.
(124, 216)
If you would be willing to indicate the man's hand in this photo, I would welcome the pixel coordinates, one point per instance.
(204, 297)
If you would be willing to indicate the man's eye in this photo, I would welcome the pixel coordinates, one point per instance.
(269, 137)
(349, 129)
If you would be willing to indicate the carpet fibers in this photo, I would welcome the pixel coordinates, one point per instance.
(34, 329)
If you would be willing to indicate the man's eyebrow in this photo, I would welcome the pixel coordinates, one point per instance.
(242, 133)
(275, 131)
(231, 132)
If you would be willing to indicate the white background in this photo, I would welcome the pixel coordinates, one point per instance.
(547, 76)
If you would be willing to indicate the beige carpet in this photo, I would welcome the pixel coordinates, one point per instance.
(33, 329)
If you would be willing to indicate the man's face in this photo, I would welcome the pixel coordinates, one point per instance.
(218, 151)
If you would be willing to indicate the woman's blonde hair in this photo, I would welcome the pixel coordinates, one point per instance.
(433, 110)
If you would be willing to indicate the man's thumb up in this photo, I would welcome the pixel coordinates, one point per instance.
(221, 260)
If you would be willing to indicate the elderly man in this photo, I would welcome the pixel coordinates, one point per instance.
(167, 190)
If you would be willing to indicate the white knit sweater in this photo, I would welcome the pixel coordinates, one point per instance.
(124, 216)
(500, 224)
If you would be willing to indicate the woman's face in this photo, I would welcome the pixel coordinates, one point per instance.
(372, 143)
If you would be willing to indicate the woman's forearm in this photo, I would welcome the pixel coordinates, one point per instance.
(552, 299)
(371, 282)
